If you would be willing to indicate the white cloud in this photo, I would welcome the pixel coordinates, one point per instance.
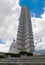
(9, 19)
(5, 47)
(39, 31)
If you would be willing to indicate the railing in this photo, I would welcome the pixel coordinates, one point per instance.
(31, 59)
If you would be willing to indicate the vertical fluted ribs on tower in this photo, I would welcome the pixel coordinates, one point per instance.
(25, 36)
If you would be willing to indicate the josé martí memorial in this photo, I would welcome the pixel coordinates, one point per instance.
(25, 42)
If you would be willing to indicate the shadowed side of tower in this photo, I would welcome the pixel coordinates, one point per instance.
(25, 35)
(13, 48)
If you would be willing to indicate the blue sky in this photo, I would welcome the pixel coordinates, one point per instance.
(1, 41)
(35, 6)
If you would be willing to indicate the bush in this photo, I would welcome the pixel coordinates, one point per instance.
(29, 54)
(2, 56)
(25, 52)
(15, 55)
(12, 54)
(8, 53)
(18, 55)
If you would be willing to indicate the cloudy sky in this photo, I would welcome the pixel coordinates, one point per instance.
(9, 20)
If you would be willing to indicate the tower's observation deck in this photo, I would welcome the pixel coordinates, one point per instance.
(25, 35)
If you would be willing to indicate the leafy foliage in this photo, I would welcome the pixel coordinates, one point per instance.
(29, 54)
(12, 54)
(25, 52)
(15, 54)
(2, 56)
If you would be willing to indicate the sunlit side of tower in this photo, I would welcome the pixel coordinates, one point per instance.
(25, 35)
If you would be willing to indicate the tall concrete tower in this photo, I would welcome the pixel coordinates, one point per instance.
(25, 35)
